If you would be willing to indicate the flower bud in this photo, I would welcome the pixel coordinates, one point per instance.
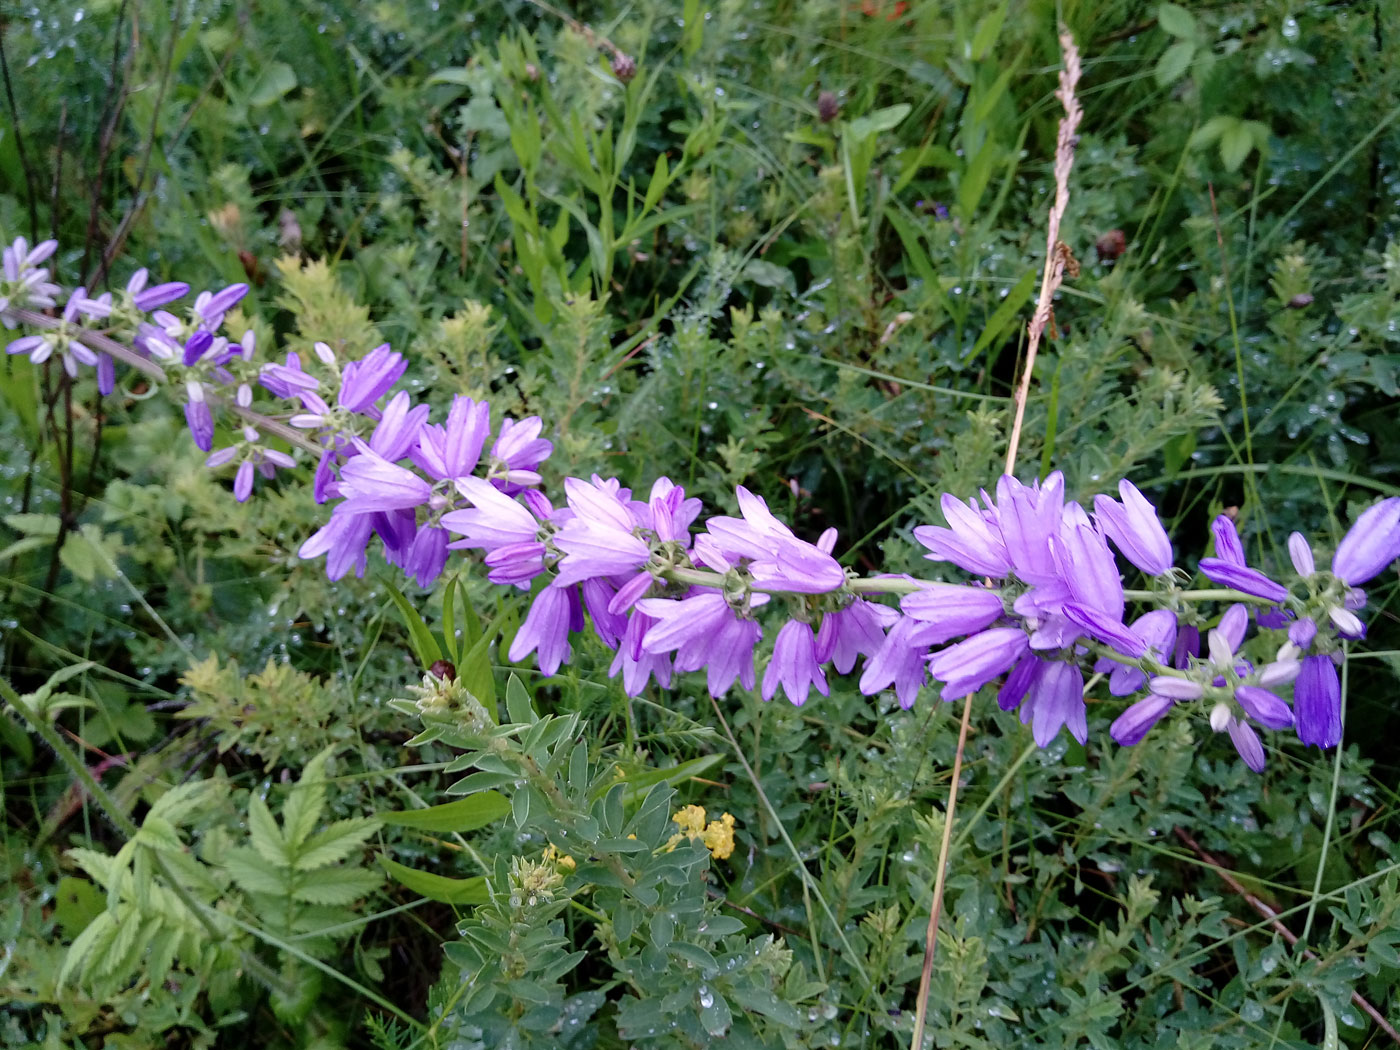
(1220, 717)
(828, 108)
(624, 67)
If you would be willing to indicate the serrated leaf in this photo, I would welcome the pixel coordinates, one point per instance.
(182, 803)
(465, 814)
(306, 801)
(98, 930)
(339, 887)
(438, 887)
(254, 873)
(334, 843)
(264, 833)
(159, 834)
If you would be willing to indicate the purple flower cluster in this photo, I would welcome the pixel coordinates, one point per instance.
(1046, 605)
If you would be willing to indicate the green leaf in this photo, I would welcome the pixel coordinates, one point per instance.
(425, 646)
(264, 833)
(438, 887)
(1236, 143)
(43, 525)
(1005, 313)
(182, 804)
(306, 802)
(86, 555)
(339, 886)
(334, 843)
(453, 75)
(1177, 21)
(77, 903)
(466, 814)
(518, 703)
(449, 619)
(639, 783)
(254, 873)
(886, 119)
(1210, 131)
(987, 32)
(273, 82)
(1174, 63)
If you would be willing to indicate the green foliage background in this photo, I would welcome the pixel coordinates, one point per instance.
(690, 274)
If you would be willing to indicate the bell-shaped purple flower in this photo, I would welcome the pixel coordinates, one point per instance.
(793, 664)
(370, 482)
(553, 614)
(364, 381)
(970, 541)
(954, 608)
(342, 540)
(1242, 578)
(1029, 516)
(1135, 529)
(1371, 544)
(1133, 724)
(858, 629)
(1246, 742)
(1228, 547)
(198, 417)
(968, 666)
(1317, 702)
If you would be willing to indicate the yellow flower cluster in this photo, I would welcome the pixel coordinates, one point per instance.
(717, 836)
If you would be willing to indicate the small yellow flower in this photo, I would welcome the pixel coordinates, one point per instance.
(717, 836)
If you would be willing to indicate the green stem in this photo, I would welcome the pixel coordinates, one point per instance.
(1209, 594)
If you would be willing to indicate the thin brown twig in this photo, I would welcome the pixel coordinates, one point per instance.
(1267, 913)
(1055, 253)
(1055, 259)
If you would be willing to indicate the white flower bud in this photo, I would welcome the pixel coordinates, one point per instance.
(1221, 655)
(1345, 620)
(1220, 717)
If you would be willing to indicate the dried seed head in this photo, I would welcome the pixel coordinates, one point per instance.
(828, 108)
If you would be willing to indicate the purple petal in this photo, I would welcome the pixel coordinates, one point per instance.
(1133, 724)
(1264, 707)
(1107, 630)
(1371, 544)
(1242, 578)
(1246, 742)
(1317, 703)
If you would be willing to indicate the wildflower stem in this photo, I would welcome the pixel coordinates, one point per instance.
(148, 368)
(1207, 594)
